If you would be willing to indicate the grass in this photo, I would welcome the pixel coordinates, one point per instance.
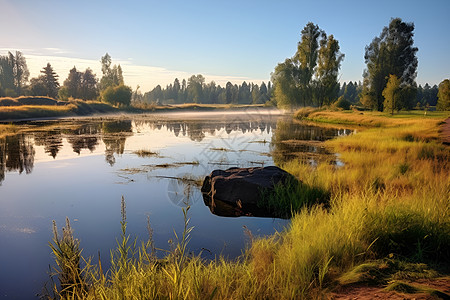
(34, 111)
(71, 108)
(145, 153)
(388, 219)
(26, 107)
(291, 196)
(407, 288)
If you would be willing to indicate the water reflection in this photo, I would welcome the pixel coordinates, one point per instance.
(16, 154)
(114, 137)
(197, 130)
(51, 140)
(84, 137)
(289, 139)
(294, 139)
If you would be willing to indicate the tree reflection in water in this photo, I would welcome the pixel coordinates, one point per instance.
(293, 139)
(290, 139)
(16, 154)
(114, 135)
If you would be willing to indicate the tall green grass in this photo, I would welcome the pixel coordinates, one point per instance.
(388, 210)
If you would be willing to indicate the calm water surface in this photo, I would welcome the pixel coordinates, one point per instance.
(80, 168)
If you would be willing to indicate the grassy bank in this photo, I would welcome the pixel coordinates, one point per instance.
(12, 109)
(388, 219)
(46, 108)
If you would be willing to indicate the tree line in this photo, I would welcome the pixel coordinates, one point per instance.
(110, 88)
(195, 90)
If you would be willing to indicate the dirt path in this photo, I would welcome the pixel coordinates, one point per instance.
(445, 133)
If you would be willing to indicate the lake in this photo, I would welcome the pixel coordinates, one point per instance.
(81, 167)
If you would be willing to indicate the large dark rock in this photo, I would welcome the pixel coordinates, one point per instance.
(240, 189)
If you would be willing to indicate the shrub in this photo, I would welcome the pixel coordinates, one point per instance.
(342, 103)
(118, 95)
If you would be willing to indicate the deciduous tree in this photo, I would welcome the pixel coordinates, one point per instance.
(329, 63)
(392, 94)
(392, 53)
(444, 95)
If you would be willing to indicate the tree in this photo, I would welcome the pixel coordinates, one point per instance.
(176, 90)
(444, 95)
(38, 86)
(306, 61)
(49, 80)
(118, 95)
(256, 94)
(244, 94)
(7, 76)
(111, 76)
(195, 88)
(20, 71)
(392, 53)
(73, 83)
(286, 91)
(89, 89)
(264, 93)
(310, 76)
(329, 63)
(392, 94)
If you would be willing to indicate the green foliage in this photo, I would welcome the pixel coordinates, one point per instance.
(290, 197)
(392, 53)
(80, 85)
(342, 103)
(45, 84)
(329, 63)
(67, 252)
(63, 94)
(351, 91)
(13, 74)
(310, 76)
(195, 90)
(427, 95)
(118, 95)
(392, 94)
(112, 77)
(285, 92)
(444, 95)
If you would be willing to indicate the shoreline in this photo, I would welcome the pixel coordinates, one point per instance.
(160, 110)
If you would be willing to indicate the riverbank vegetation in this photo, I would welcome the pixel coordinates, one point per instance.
(30, 107)
(387, 225)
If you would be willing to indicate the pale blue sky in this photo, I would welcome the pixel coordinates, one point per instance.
(156, 41)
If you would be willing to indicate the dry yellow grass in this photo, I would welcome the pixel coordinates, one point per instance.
(35, 111)
(377, 119)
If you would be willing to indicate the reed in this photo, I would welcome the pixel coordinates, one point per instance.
(67, 252)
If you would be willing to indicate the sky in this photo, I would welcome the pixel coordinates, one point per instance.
(234, 40)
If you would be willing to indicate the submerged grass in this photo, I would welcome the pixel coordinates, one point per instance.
(145, 153)
(388, 219)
